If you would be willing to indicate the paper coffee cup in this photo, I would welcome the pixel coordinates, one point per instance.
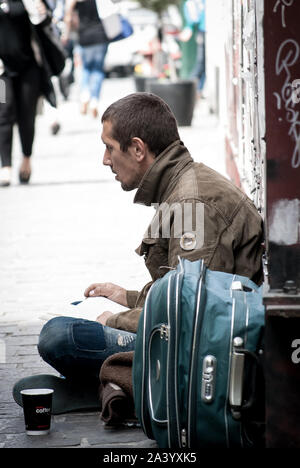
(37, 406)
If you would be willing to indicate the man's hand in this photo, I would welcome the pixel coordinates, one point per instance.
(109, 290)
(102, 318)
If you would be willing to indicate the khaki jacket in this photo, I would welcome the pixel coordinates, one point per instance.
(204, 216)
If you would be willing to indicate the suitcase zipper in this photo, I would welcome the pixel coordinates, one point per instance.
(143, 393)
(194, 361)
(175, 435)
(168, 382)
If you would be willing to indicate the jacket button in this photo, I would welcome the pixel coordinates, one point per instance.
(188, 241)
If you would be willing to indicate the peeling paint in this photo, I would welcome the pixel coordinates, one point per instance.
(284, 225)
(249, 30)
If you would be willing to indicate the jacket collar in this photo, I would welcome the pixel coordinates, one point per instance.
(162, 174)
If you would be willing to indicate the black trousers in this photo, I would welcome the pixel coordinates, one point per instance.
(21, 93)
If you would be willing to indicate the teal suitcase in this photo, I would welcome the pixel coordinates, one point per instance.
(197, 378)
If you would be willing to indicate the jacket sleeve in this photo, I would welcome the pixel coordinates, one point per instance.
(132, 298)
(248, 242)
(232, 246)
(128, 320)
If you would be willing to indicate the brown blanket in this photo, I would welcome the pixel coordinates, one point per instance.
(116, 393)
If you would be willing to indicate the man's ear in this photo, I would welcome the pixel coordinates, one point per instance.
(139, 148)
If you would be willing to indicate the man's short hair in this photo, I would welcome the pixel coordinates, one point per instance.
(142, 115)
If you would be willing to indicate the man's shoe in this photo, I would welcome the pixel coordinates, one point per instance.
(5, 176)
(68, 395)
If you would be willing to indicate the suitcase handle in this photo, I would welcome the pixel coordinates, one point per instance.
(236, 382)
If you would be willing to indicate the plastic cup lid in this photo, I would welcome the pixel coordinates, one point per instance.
(37, 391)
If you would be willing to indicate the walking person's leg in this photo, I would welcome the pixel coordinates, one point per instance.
(97, 76)
(199, 70)
(85, 54)
(27, 91)
(7, 120)
(202, 62)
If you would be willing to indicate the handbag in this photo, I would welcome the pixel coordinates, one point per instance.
(126, 31)
(46, 34)
(50, 56)
(52, 49)
(115, 25)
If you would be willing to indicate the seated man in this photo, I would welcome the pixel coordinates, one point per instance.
(221, 225)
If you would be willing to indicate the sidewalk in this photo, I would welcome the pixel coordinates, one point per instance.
(72, 226)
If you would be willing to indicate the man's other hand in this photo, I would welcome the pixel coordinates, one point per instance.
(109, 290)
(102, 318)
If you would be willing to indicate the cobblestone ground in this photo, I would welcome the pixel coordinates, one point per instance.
(73, 225)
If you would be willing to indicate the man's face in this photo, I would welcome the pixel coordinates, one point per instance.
(123, 164)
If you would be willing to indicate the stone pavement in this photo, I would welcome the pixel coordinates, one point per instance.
(71, 226)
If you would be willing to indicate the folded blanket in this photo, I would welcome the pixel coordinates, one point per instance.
(116, 393)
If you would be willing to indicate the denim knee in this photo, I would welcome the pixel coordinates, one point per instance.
(53, 337)
(79, 347)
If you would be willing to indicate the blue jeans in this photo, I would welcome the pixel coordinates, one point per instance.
(93, 57)
(199, 70)
(77, 348)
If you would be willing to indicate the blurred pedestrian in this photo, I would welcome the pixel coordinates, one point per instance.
(64, 80)
(93, 44)
(194, 21)
(67, 77)
(23, 83)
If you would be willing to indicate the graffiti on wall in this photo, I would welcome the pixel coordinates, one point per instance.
(282, 115)
(263, 133)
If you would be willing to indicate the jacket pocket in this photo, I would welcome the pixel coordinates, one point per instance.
(155, 252)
